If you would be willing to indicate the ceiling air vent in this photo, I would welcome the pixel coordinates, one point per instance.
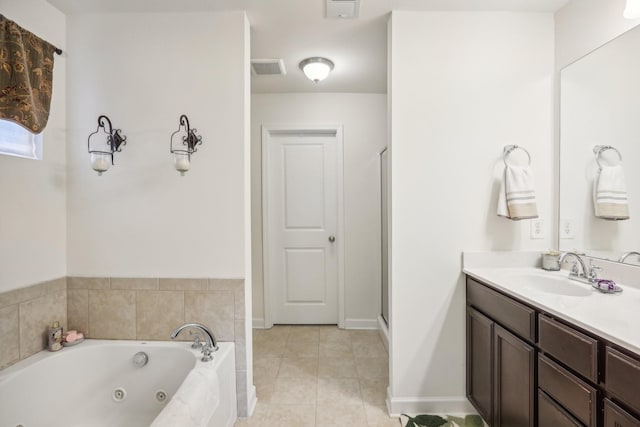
(267, 67)
(343, 9)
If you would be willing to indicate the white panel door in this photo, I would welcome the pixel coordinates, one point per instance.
(302, 224)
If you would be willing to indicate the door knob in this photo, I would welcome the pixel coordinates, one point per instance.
(332, 239)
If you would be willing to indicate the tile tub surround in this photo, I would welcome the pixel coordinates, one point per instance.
(151, 308)
(26, 314)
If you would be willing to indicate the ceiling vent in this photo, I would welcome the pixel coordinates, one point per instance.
(343, 9)
(267, 67)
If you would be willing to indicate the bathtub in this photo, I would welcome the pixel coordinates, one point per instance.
(97, 384)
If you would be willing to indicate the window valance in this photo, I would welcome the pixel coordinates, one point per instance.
(26, 76)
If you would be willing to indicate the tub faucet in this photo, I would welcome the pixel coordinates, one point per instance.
(627, 255)
(210, 344)
(575, 274)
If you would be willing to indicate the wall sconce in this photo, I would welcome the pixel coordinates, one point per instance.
(101, 159)
(183, 147)
(632, 11)
(316, 68)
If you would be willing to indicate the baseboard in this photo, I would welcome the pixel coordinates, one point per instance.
(361, 324)
(429, 405)
(384, 332)
(258, 323)
(252, 400)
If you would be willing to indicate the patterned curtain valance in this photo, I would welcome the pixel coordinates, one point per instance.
(26, 76)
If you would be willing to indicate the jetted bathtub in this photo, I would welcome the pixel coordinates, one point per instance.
(101, 383)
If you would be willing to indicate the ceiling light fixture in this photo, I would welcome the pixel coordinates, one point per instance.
(316, 68)
(632, 11)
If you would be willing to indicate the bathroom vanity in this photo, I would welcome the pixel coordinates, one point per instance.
(534, 359)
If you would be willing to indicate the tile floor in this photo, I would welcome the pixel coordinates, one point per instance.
(319, 376)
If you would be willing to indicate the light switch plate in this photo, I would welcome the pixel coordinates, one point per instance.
(566, 228)
(537, 228)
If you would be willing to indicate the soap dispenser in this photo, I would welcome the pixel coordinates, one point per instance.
(55, 337)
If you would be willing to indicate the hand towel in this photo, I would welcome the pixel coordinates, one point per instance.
(610, 194)
(517, 197)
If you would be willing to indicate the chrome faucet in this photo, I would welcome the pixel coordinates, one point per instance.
(627, 255)
(210, 344)
(575, 274)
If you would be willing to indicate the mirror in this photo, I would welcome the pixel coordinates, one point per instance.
(600, 105)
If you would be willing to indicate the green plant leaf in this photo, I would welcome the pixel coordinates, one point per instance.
(429, 420)
(473, 421)
(457, 420)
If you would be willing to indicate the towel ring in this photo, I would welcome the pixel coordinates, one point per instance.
(509, 148)
(599, 149)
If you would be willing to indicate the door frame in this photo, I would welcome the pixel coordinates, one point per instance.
(295, 129)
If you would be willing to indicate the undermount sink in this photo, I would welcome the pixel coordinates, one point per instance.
(550, 283)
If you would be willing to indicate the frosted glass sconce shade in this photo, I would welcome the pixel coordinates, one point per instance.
(316, 69)
(183, 144)
(632, 11)
(103, 143)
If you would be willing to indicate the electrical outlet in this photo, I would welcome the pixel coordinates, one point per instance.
(566, 228)
(537, 228)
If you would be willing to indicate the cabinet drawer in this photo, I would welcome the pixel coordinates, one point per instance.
(575, 349)
(614, 416)
(551, 414)
(622, 377)
(578, 397)
(511, 314)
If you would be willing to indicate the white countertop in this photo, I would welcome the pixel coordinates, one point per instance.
(614, 317)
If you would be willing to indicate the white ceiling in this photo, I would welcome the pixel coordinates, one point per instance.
(296, 29)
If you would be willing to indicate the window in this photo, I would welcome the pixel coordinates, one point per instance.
(19, 142)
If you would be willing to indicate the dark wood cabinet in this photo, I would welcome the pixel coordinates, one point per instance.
(479, 362)
(500, 364)
(514, 380)
(553, 415)
(614, 416)
(527, 367)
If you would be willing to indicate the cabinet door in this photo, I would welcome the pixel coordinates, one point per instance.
(614, 416)
(514, 381)
(479, 366)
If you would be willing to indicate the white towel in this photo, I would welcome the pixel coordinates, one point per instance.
(517, 197)
(610, 194)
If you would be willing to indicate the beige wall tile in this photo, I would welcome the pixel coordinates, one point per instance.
(9, 335)
(78, 310)
(158, 313)
(87, 283)
(55, 285)
(213, 309)
(16, 296)
(225, 284)
(183, 284)
(36, 317)
(136, 283)
(112, 314)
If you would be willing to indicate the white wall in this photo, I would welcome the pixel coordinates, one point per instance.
(141, 218)
(364, 118)
(584, 25)
(32, 192)
(462, 85)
